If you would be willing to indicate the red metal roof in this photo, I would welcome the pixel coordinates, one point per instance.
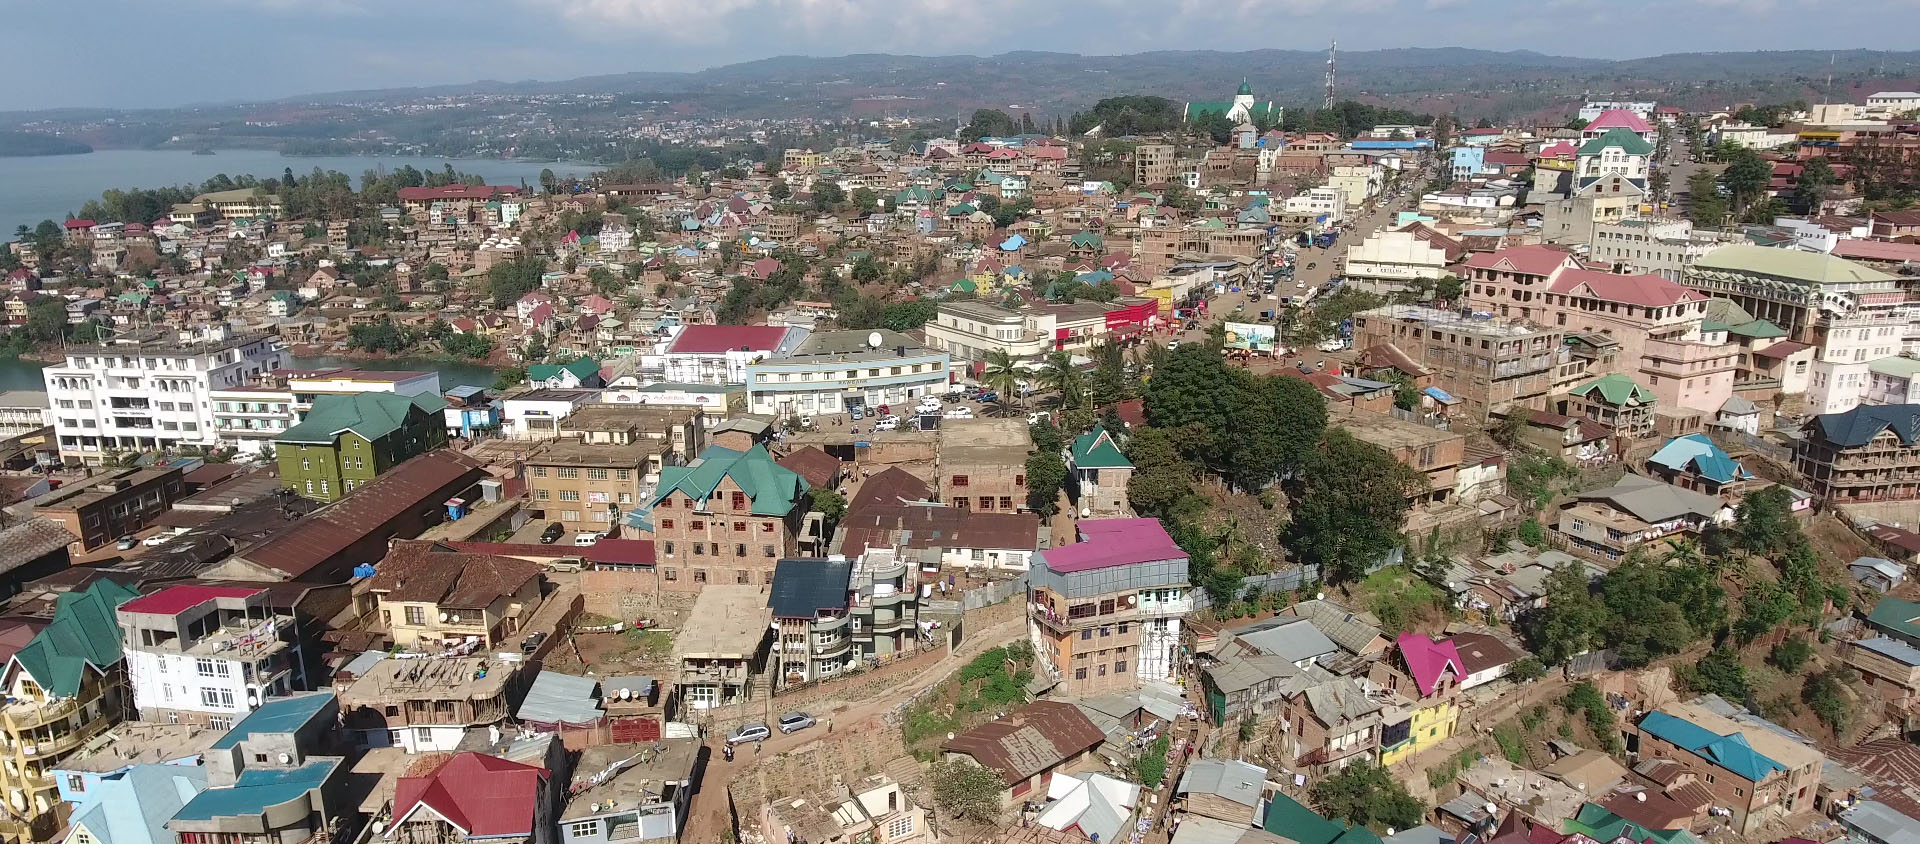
(1619, 118)
(1646, 290)
(1525, 260)
(632, 552)
(178, 599)
(80, 224)
(482, 795)
(716, 339)
(1876, 250)
(1114, 542)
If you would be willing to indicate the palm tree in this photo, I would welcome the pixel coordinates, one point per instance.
(1064, 379)
(1001, 374)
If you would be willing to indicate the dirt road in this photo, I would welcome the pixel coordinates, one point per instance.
(707, 816)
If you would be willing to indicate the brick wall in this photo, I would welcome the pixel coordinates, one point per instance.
(629, 595)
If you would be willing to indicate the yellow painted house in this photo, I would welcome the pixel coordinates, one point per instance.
(1431, 722)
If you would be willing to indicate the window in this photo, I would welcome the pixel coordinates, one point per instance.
(1079, 673)
(210, 667)
(699, 575)
(569, 495)
(740, 549)
(566, 472)
(766, 550)
(959, 480)
(672, 574)
(623, 474)
(1120, 667)
(76, 783)
(416, 616)
(216, 698)
(423, 735)
(583, 829)
(739, 501)
(900, 827)
(596, 474)
(666, 524)
(540, 495)
(539, 471)
(740, 526)
(1086, 635)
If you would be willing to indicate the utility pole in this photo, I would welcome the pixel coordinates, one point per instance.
(1333, 48)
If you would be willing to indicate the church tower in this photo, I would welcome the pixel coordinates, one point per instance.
(1242, 110)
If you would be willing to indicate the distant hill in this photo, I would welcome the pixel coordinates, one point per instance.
(1481, 82)
(21, 144)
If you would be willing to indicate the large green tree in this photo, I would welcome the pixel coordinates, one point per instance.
(1369, 796)
(1349, 501)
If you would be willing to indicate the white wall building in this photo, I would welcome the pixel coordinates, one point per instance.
(199, 654)
(834, 370)
(1591, 111)
(536, 415)
(247, 417)
(1842, 366)
(1390, 261)
(1750, 137)
(24, 411)
(718, 354)
(1890, 103)
(1359, 182)
(1325, 199)
(151, 393)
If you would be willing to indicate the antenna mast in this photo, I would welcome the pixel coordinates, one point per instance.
(1333, 48)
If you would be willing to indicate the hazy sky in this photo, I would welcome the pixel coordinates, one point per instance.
(172, 52)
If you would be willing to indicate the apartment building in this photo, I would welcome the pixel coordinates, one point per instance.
(200, 654)
(836, 371)
(646, 799)
(276, 776)
(1435, 454)
(726, 517)
(885, 604)
(1391, 261)
(1155, 164)
(1490, 364)
(348, 440)
(813, 634)
(247, 417)
(1869, 453)
(970, 331)
(23, 412)
(1660, 246)
(151, 390)
(116, 503)
(429, 599)
(1657, 329)
(591, 487)
(1760, 775)
(1607, 524)
(65, 686)
(719, 354)
(721, 649)
(1105, 613)
(983, 464)
(1801, 292)
(426, 705)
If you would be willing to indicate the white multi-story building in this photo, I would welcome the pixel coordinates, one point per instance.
(834, 370)
(23, 412)
(1327, 200)
(718, 354)
(1392, 261)
(1592, 110)
(152, 391)
(1360, 182)
(1659, 246)
(202, 654)
(246, 417)
(1893, 103)
(1842, 367)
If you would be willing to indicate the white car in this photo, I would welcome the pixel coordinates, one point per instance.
(1332, 344)
(891, 423)
(586, 540)
(960, 413)
(927, 406)
(1038, 417)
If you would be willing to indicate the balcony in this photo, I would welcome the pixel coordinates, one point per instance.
(26, 715)
(837, 647)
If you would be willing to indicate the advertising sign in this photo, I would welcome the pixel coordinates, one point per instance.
(1250, 336)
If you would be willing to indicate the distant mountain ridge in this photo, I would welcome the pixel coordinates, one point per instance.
(1060, 79)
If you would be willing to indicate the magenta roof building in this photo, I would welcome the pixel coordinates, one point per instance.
(1104, 613)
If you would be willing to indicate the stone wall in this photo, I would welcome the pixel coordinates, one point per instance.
(632, 595)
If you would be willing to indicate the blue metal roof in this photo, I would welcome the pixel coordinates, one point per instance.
(257, 790)
(1731, 752)
(1699, 452)
(1893, 649)
(277, 715)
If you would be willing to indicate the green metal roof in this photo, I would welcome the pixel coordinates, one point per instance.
(1088, 240)
(1290, 820)
(1095, 450)
(1897, 367)
(1625, 139)
(257, 790)
(770, 486)
(1896, 616)
(84, 632)
(1809, 267)
(1616, 390)
(582, 368)
(369, 415)
(1601, 825)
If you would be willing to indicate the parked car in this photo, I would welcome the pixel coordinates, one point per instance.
(988, 397)
(856, 413)
(753, 731)
(552, 534)
(587, 539)
(885, 410)
(927, 405)
(163, 537)
(533, 642)
(960, 413)
(793, 722)
(127, 543)
(891, 423)
(1038, 417)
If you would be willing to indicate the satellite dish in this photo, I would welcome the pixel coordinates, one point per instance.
(443, 616)
(873, 340)
(286, 758)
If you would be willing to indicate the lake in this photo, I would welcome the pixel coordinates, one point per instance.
(51, 187)
(17, 374)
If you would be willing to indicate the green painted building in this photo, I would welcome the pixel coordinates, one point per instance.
(348, 440)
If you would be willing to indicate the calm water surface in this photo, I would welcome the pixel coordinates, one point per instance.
(51, 187)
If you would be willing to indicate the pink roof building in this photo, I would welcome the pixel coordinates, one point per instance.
(1618, 118)
(1430, 661)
